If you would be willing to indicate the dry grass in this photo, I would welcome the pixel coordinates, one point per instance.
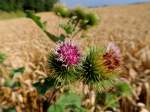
(20, 38)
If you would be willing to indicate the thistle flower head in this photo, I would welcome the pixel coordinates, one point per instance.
(68, 53)
(112, 57)
(93, 71)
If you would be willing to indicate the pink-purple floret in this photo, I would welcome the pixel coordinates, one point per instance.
(112, 57)
(68, 53)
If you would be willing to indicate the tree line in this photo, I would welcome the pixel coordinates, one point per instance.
(36, 5)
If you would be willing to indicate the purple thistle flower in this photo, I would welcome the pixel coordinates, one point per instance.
(68, 53)
(112, 57)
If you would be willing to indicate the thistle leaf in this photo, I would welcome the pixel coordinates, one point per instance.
(55, 108)
(36, 19)
(43, 87)
(16, 71)
(68, 101)
(111, 100)
(123, 89)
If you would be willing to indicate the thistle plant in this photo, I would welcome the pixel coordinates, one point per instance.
(98, 68)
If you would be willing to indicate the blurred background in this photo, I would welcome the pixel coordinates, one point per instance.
(46, 5)
(16, 8)
(126, 22)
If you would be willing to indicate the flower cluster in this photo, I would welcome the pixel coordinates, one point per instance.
(97, 69)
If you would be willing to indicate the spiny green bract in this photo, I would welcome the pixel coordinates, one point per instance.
(62, 74)
(93, 73)
(61, 10)
(79, 13)
(90, 19)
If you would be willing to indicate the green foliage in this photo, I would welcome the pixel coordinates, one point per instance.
(123, 89)
(68, 28)
(11, 5)
(42, 25)
(107, 100)
(36, 19)
(92, 19)
(61, 10)
(78, 18)
(17, 71)
(55, 38)
(111, 99)
(2, 57)
(10, 15)
(68, 102)
(79, 13)
(62, 74)
(9, 82)
(12, 84)
(9, 110)
(46, 85)
(89, 20)
(36, 5)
